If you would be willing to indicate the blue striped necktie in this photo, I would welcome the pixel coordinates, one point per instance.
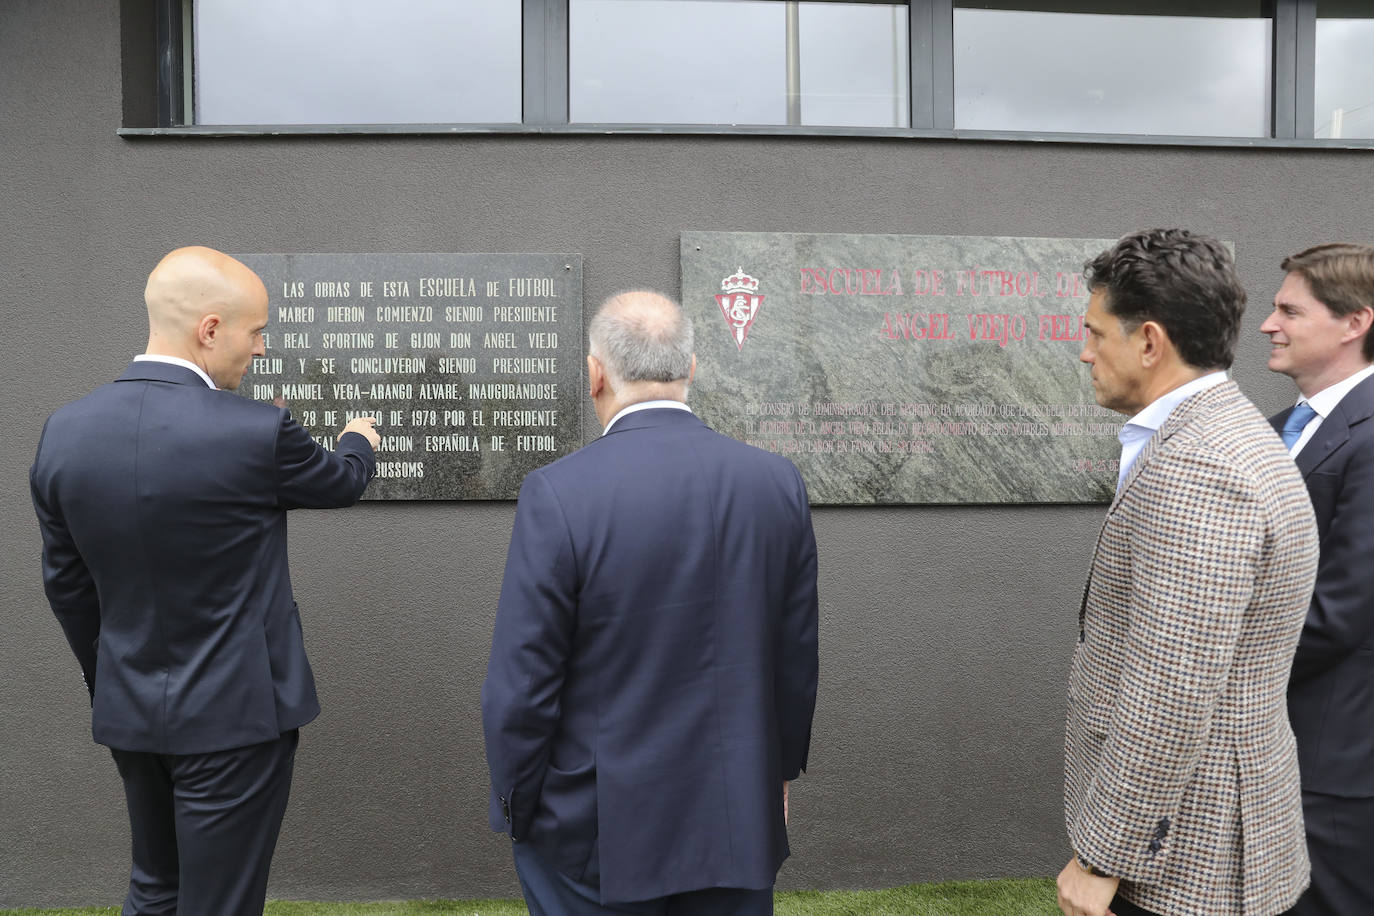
(1297, 421)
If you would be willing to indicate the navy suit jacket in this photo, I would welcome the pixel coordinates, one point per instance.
(653, 666)
(162, 504)
(1331, 694)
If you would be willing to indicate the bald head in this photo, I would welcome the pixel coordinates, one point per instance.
(208, 308)
(193, 282)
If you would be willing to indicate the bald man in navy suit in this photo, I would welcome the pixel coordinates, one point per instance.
(1320, 336)
(653, 667)
(162, 500)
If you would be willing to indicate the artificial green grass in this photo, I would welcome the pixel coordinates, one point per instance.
(1007, 897)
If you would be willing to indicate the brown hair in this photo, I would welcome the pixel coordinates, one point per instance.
(1341, 277)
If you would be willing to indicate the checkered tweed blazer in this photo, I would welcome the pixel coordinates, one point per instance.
(1181, 775)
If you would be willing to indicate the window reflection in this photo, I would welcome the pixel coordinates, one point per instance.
(1345, 78)
(726, 62)
(1122, 74)
(357, 61)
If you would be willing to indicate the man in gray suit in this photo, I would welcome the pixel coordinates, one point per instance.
(1181, 777)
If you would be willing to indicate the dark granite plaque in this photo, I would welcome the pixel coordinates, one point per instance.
(471, 363)
(904, 369)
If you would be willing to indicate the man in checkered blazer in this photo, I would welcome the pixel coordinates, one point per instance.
(1181, 775)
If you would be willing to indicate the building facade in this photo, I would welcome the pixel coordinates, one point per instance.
(946, 632)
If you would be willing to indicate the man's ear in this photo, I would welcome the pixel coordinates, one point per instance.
(1154, 342)
(207, 329)
(596, 376)
(692, 372)
(1359, 324)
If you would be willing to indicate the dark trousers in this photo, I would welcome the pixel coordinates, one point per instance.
(204, 827)
(548, 892)
(1340, 843)
(1123, 907)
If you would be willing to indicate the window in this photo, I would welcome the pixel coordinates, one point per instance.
(356, 61)
(1180, 71)
(1345, 71)
(737, 62)
(1036, 67)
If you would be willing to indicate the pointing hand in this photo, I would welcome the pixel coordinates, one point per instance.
(363, 426)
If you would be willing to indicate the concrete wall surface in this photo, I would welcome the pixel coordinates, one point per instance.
(945, 632)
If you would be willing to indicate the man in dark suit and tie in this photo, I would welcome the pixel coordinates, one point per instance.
(653, 666)
(1320, 335)
(162, 502)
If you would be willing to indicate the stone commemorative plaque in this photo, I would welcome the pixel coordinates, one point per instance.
(471, 363)
(904, 369)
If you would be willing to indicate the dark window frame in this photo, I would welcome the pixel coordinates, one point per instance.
(545, 85)
(172, 103)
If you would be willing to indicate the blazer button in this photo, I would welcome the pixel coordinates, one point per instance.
(1154, 846)
(505, 807)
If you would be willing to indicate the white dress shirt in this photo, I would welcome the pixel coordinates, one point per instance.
(645, 405)
(1325, 401)
(1142, 426)
(175, 361)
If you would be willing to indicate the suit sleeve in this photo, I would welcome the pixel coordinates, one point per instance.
(1193, 569)
(535, 620)
(798, 662)
(66, 580)
(311, 477)
(1341, 616)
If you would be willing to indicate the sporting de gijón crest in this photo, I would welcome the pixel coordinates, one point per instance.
(739, 303)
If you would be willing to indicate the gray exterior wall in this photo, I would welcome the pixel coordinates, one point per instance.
(945, 632)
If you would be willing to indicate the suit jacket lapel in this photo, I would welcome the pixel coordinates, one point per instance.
(1141, 460)
(1278, 419)
(1355, 407)
(1178, 418)
(1331, 435)
(1181, 415)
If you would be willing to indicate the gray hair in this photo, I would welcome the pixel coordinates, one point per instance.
(642, 336)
